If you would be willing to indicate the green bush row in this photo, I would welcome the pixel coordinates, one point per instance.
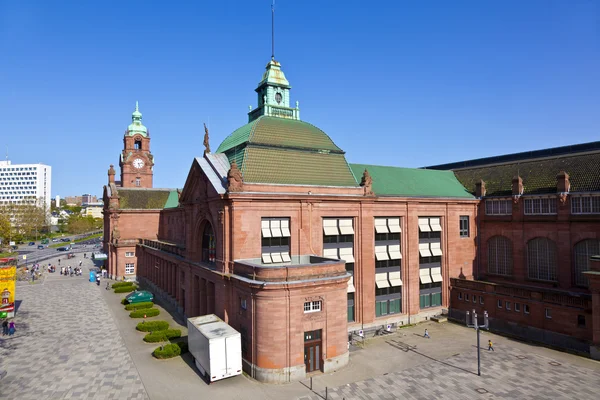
(162, 336)
(167, 351)
(139, 306)
(151, 326)
(123, 301)
(121, 284)
(125, 289)
(149, 312)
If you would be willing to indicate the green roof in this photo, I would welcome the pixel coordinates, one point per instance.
(296, 167)
(147, 199)
(539, 175)
(280, 132)
(412, 182)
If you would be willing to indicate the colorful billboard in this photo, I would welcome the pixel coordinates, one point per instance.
(8, 280)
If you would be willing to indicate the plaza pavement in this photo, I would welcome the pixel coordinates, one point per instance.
(74, 340)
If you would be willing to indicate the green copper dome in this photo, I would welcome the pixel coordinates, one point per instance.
(136, 126)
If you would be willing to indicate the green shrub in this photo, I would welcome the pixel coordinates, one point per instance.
(183, 346)
(167, 351)
(148, 312)
(162, 336)
(152, 326)
(125, 289)
(139, 306)
(123, 301)
(121, 284)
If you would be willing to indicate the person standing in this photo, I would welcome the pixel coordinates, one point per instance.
(426, 335)
(490, 346)
(5, 327)
(11, 328)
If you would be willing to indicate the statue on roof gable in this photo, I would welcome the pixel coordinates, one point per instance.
(235, 181)
(206, 143)
(367, 182)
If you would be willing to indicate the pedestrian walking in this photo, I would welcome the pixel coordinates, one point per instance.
(426, 335)
(490, 346)
(5, 327)
(11, 328)
(80, 262)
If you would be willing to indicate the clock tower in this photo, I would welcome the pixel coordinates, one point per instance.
(136, 161)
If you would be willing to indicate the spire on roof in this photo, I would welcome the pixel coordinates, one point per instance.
(136, 125)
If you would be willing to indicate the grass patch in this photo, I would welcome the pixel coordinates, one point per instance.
(121, 284)
(60, 244)
(162, 336)
(151, 326)
(139, 306)
(150, 312)
(8, 254)
(125, 289)
(167, 351)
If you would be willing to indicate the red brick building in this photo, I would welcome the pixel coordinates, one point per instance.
(539, 225)
(290, 244)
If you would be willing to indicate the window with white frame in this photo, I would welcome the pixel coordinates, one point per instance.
(464, 226)
(585, 204)
(541, 259)
(275, 234)
(499, 256)
(583, 251)
(312, 306)
(540, 206)
(525, 308)
(129, 254)
(549, 313)
(129, 268)
(338, 243)
(498, 207)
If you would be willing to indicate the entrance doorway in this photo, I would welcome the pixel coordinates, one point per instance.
(312, 350)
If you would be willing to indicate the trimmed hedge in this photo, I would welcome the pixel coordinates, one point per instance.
(121, 284)
(123, 301)
(168, 351)
(139, 306)
(183, 346)
(149, 312)
(162, 336)
(125, 289)
(152, 326)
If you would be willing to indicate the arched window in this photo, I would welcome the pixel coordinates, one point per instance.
(583, 251)
(209, 244)
(138, 145)
(500, 260)
(541, 259)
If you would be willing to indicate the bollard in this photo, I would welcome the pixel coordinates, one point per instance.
(326, 397)
(311, 383)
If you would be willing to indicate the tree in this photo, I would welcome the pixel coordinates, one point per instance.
(27, 220)
(81, 224)
(4, 229)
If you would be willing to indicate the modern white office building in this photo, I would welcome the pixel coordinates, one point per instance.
(25, 183)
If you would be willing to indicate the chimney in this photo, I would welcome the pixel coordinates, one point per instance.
(563, 185)
(480, 188)
(517, 186)
(111, 174)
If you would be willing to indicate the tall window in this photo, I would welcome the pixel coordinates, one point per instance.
(138, 182)
(338, 243)
(585, 204)
(430, 262)
(499, 256)
(138, 145)
(275, 240)
(583, 251)
(129, 268)
(498, 207)
(209, 244)
(464, 226)
(540, 206)
(541, 259)
(388, 267)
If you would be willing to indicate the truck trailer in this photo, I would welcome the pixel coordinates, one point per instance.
(216, 347)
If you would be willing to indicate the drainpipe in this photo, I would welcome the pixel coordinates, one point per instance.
(478, 218)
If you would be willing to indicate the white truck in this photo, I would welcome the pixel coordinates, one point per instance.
(216, 347)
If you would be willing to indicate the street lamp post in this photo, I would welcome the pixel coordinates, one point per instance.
(475, 325)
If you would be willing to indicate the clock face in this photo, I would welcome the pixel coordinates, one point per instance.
(278, 98)
(138, 163)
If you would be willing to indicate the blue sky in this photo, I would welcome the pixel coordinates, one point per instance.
(404, 83)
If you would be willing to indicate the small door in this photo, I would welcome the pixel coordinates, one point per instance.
(312, 350)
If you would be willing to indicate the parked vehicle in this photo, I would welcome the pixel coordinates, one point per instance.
(139, 296)
(216, 347)
(54, 240)
(14, 247)
(62, 249)
(32, 243)
(40, 247)
(66, 240)
(44, 241)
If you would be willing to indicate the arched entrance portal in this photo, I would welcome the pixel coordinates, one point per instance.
(209, 244)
